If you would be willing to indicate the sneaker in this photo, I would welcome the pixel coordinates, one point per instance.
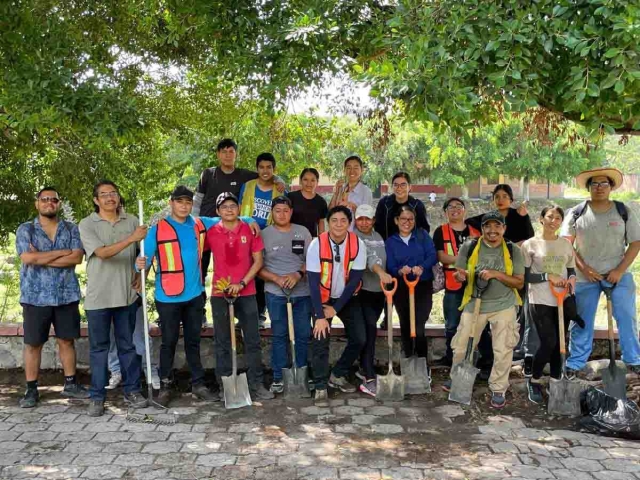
(635, 369)
(30, 399)
(201, 392)
(446, 386)
(73, 390)
(368, 387)
(528, 366)
(261, 393)
(164, 397)
(361, 376)
(534, 392)
(570, 373)
(277, 386)
(135, 400)
(443, 362)
(312, 384)
(321, 398)
(114, 381)
(96, 408)
(484, 375)
(262, 322)
(341, 383)
(498, 400)
(518, 356)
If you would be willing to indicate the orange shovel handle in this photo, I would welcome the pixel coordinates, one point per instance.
(559, 294)
(410, 283)
(389, 293)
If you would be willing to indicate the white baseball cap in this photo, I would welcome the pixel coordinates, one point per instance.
(365, 210)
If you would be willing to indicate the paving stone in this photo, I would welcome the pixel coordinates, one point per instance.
(541, 461)
(53, 458)
(589, 452)
(582, 464)
(401, 473)
(317, 473)
(6, 436)
(23, 418)
(172, 459)
(364, 419)
(201, 447)
(62, 471)
(59, 418)
(75, 437)
(445, 474)
(138, 427)
(380, 410)
(83, 447)
(337, 402)
(244, 428)
(102, 427)
(504, 447)
(565, 474)
(486, 472)
(528, 471)
(298, 460)
(350, 428)
(317, 448)
(134, 459)
(256, 460)
(501, 460)
(216, 459)
(150, 437)
(21, 471)
(104, 471)
(35, 437)
(386, 428)
(117, 448)
(626, 453)
(187, 437)
(13, 458)
(29, 427)
(348, 410)
(49, 446)
(609, 475)
(45, 409)
(5, 426)
(90, 459)
(313, 410)
(175, 428)
(360, 473)
(450, 411)
(162, 447)
(112, 437)
(190, 472)
(361, 402)
(106, 418)
(12, 446)
(64, 427)
(223, 437)
(621, 465)
(206, 428)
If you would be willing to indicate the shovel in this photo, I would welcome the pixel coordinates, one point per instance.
(614, 377)
(414, 368)
(391, 386)
(564, 394)
(236, 388)
(463, 375)
(296, 379)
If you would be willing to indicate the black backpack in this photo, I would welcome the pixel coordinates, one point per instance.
(579, 209)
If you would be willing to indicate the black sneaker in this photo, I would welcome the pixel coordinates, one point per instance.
(30, 399)
(277, 386)
(261, 393)
(96, 408)
(73, 390)
(166, 393)
(570, 373)
(341, 383)
(201, 392)
(528, 365)
(484, 375)
(534, 392)
(135, 400)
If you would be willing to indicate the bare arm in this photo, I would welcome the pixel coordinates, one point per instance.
(43, 258)
(513, 281)
(268, 276)
(255, 268)
(629, 256)
(112, 250)
(445, 258)
(71, 260)
(321, 226)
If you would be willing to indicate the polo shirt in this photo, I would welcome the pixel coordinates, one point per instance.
(232, 252)
(108, 280)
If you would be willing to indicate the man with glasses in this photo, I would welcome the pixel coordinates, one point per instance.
(606, 235)
(49, 249)
(110, 239)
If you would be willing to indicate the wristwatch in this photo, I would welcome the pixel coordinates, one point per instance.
(241, 282)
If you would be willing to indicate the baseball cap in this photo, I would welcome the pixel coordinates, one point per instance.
(281, 200)
(494, 216)
(223, 197)
(365, 210)
(181, 192)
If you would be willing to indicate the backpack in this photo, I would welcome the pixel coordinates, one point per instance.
(579, 209)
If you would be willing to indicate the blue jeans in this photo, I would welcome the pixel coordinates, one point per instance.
(624, 311)
(138, 342)
(124, 321)
(277, 306)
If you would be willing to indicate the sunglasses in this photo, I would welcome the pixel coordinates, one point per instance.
(337, 253)
(54, 200)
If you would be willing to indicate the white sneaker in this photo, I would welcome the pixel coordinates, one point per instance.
(114, 381)
(155, 378)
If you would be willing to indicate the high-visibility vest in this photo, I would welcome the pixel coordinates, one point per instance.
(326, 262)
(451, 248)
(170, 262)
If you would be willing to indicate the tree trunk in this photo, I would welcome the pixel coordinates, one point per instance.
(525, 188)
(465, 191)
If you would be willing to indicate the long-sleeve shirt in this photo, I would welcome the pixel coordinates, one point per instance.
(419, 251)
(386, 211)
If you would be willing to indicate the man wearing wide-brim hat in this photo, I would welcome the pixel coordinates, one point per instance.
(606, 246)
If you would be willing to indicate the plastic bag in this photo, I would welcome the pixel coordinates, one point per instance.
(605, 415)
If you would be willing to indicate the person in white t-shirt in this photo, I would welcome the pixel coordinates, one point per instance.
(351, 193)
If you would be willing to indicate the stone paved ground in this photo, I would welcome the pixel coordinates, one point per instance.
(355, 438)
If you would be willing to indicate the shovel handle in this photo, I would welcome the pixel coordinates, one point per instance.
(560, 296)
(411, 284)
(292, 334)
(389, 293)
(234, 361)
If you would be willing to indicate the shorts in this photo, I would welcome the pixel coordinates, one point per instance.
(38, 320)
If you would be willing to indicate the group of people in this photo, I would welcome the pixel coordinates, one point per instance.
(270, 247)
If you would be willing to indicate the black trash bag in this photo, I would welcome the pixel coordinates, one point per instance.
(606, 415)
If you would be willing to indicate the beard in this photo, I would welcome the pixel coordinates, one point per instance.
(50, 214)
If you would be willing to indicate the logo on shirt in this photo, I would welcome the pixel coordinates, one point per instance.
(233, 183)
(243, 239)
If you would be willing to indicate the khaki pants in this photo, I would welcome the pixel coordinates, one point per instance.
(505, 335)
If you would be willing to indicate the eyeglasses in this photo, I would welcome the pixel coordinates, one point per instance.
(406, 219)
(54, 200)
(595, 185)
(400, 185)
(455, 207)
(108, 195)
(229, 208)
(336, 257)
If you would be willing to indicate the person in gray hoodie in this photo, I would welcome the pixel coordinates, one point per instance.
(371, 295)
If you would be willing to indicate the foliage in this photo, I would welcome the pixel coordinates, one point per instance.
(623, 153)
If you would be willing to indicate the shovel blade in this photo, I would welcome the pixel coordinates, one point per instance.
(615, 381)
(564, 397)
(416, 375)
(236, 391)
(463, 376)
(296, 383)
(390, 387)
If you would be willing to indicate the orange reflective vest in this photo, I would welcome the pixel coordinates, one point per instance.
(170, 263)
(451, 248)
(326, 262)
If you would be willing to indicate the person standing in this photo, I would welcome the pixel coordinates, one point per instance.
(110, 239)
(309, 208)
(336, 261)
(285, 248)
(350, 191)
(606, 236)
(49, 249)
(448, 240)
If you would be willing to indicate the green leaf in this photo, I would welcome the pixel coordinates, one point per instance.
(619, 87)
(612, 52)
(548, 45)
(516, 74)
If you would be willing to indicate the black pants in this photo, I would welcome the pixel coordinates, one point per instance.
(260, 298)
(545, 319)
(352, 318)
(372, 306)
(423, 301)
(246, 312)
(189, 314)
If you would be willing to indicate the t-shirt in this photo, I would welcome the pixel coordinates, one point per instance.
(232, 252)
(519, 227)
(337, 278)
(546, 256)
(214, 181)
(376, 255)
(497, 296)
(109, 280)
(261, 204)
(599, 237)
(285, 252)
(360, 195)
(308, 212)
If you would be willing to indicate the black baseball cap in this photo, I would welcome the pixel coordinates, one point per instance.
(494, 216)
(223, 197)
(281, 200)
(181, 192)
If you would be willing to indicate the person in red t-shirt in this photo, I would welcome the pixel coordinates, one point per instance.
(237, 256)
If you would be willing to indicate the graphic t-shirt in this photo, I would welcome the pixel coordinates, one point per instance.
(261, 205)
(285, 252)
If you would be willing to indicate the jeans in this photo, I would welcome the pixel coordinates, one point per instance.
(277, 306)
(100, 321)
(450, 305)
(246, 311)
(623, 298)
(372, 305)
(423, 302)
(351, 316)
(189, 314)
(138, 342)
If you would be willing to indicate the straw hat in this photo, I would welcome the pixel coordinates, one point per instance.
(613, 173)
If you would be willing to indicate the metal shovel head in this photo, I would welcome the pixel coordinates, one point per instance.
(614, 379)
(463, 376)
(296, 383)
(416, 375)
(564, 397)
(236, 391)
(390, 387)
